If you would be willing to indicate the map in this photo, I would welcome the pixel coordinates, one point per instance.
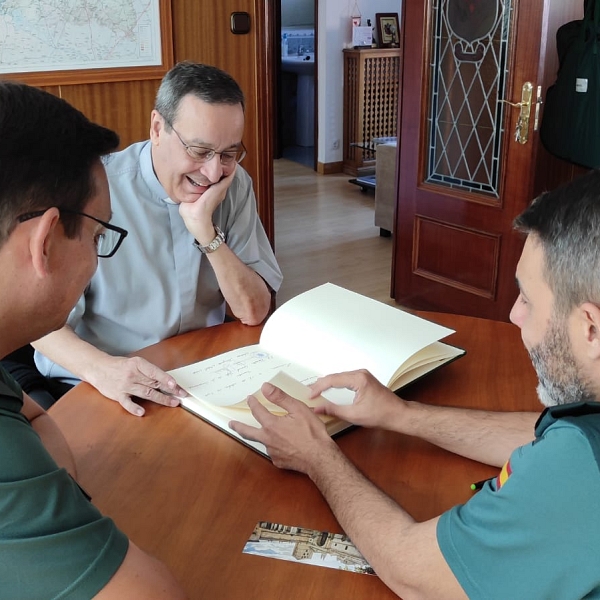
(50, 35)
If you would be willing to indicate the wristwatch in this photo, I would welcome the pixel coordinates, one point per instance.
(219, 239)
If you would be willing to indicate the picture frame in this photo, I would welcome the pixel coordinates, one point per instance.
(388, 30)
(156, 34)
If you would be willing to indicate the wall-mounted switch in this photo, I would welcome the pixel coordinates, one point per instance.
(240, 22)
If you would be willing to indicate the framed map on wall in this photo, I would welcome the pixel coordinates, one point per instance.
(85, 41)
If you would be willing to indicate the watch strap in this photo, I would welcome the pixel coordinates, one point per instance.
(212, 246)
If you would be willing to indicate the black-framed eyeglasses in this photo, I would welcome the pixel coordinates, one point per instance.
(107, 242)
(202, 155)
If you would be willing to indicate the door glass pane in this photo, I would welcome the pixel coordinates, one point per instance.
(467, 78)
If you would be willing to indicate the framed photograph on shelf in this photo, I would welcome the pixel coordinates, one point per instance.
(388, 32)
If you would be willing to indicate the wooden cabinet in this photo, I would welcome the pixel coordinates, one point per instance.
(371, 93)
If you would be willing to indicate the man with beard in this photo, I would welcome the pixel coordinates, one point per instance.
(196, 244)
(533, 531)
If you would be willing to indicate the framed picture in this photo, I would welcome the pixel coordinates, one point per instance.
(134, 45)
(388, 32)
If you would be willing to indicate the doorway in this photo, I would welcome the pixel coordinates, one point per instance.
(468, 155)
(296, 58)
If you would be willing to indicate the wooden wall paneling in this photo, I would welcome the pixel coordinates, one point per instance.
(51, 89)
(201, 32)
(122, 106)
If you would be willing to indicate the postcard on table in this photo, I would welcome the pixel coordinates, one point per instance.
(306, 546)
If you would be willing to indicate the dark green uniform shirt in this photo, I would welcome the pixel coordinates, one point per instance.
(53, 542)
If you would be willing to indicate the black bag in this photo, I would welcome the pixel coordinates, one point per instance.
(570, 126)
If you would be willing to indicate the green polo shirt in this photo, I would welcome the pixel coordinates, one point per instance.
(53, 542)
(534, 531)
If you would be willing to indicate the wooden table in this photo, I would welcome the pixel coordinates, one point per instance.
(191, 495)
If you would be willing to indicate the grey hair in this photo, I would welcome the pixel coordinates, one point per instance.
(208, 83)
(566, 222)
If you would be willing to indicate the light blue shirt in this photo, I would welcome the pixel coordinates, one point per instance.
(158, 284)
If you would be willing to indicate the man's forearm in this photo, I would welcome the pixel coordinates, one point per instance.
(486, 436)
(244, 290)
(402, 552)
(67, 349)
(366, 515)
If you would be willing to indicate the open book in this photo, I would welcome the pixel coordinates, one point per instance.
(325, 330)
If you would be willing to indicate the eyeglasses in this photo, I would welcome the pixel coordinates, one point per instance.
(107, 242)
(203, 155)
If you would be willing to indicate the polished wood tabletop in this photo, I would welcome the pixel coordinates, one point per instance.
(191, 495)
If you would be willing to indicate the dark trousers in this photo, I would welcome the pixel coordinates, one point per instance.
(43, 390)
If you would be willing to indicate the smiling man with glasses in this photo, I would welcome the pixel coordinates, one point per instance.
(202, 154)
(196, 244)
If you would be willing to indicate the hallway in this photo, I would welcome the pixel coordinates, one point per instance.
(324, 232)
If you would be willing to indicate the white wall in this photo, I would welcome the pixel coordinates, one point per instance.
(335, 33)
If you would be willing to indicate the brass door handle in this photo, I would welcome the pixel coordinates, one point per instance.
(522, 126)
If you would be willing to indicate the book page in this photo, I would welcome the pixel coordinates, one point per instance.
(290, 386)
(330, 329)
(422, 362)
(225, 405)
(229, 378)
(325, 330)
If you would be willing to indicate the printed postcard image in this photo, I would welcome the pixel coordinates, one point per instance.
(307, 546)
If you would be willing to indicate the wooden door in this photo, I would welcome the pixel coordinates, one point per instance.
(463, 176)
(202, 33)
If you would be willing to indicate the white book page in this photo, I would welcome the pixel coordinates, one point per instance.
(424, 361)
(325, 330)
(229, 378)
(330, 329)
(227, 410)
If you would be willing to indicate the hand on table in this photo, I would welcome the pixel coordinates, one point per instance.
(120, 379)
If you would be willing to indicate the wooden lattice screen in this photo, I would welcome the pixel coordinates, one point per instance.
(371, 92)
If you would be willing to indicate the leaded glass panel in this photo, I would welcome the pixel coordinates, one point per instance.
(468, 72)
